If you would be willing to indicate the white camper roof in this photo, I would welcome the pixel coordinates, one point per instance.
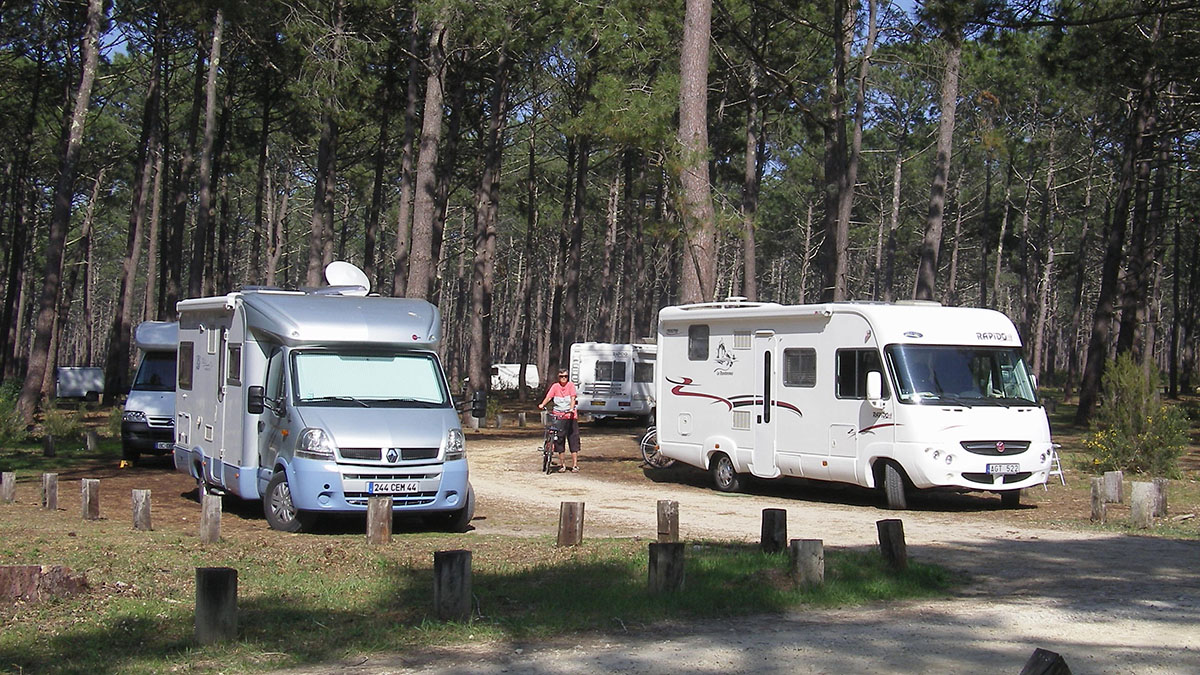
(892, 323)
(296, 318)
(157, 336)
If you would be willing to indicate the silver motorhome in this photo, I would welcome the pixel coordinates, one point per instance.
(148, 421)
(316, 402)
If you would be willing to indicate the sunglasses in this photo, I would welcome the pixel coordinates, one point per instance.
(562, 377)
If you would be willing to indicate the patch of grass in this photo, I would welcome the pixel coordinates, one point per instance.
(317, 598)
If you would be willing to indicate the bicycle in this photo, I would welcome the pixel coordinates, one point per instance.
(651, 454)
(554, 440)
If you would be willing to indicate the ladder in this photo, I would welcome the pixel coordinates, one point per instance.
(1055, 467)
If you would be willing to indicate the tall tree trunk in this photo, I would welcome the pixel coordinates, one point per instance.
(404, 215)
(321, 227)
(260, 188)
(1077, 293)
(750, 186)
(204, 201)
(837, 233)
(927, 267)
(574, 256)
(1143, 237)
(1004, 215)
(421, 260)
(699, 260)
(889, 255)
(371, 231)
(60, 217)
(183, 179)
(150, 302)
(526, 280)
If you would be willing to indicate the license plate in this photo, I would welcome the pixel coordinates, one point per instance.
(599, 404)
(392, 487)
(1003, 469)
(163, 445)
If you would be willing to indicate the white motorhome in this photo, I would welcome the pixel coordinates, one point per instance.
(148, 422)
(614, 379)
(893, 396)
(316, 402)
(507, 376)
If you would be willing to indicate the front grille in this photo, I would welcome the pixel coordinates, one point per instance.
(990, 448)
(989, 479)
(418, 453)
(165, 422)
(410, 499)
(407, 475)
(361, 453)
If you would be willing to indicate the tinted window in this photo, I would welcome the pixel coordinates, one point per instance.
(234, 363)
(800, 367)
(643, 372)
(186, 351)
(698, 342)
(852, 368)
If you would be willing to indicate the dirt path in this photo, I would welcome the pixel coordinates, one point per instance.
(1109, 604)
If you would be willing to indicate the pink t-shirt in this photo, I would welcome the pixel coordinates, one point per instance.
(561, 395)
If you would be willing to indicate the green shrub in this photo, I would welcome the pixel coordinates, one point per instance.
(113, 424)
(1137, 432)
(62, 423)
(12, 427)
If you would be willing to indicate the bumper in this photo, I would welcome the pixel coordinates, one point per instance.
(147, 439)
(964, 470)
(329, 487)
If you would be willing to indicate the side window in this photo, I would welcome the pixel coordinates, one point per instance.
(800, 367)
(604, 371)
(618, 371)
(852, 368)
(274, 388)
(698, 342)
(186, 352)
(643, 372)
(233, 362)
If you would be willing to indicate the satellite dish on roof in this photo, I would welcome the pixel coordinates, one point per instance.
(343, 274)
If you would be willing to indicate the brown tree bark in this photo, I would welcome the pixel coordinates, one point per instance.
(200, 234)
(404, 216)
(697, 283)
(421, 256)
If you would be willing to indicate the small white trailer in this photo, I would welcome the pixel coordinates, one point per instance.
(614, 379)
(889, 396)
(507, 376)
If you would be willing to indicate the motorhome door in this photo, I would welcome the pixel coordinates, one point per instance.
(762, 457)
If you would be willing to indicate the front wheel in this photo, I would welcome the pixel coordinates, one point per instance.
(725, 476)
(281, 513)
(1010, 499)
(651, 454)
(894, 487)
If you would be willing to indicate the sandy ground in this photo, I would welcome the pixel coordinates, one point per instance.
(1107, 603)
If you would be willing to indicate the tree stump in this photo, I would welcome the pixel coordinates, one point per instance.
(668, 521)
(1142, 503)
(1114, 490)
(216, 604)
(774, 530)
(379, 520)
(570, 524)
(1099, 506)
(1160, 497)
(90, 498)
(521, 420)
(32, 583)
(8, 487)
(1045, 662)
(48, 449)
(452, 585)
(891, 543)
(499, 420)
(50, 491)
(210, 518)
(666, 570)
(141, 510)
(808, 562)
(92, 440)
(472, 423)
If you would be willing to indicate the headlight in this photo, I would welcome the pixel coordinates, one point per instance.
(315, 444)
(133, 416)
(455, 448)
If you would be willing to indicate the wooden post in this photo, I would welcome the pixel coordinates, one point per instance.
(210, 517)
(808, 562)
(521, 420)
(379, 520)
(93, 441)
(1099, 506)
(499, 420)
(216, 604)
(1160, 497)
(666, 567)
(8, 487)
(90, 498)
(1142, 503)
(473, 422)
(891, 543)
(50, 491)
(48, 449)
(452, 585)
(141, 510)
(668, 521)
(774, 530)
(1045, 662)
(570, 524)
(1114, 492)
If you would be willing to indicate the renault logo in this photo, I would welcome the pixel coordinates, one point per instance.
(393, 454)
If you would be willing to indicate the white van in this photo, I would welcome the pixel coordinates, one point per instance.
(893, 396)
(614, 379)
(148, 423)
(507, 376)
(316, 402)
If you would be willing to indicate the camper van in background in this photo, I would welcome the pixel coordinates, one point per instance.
(148, 423)
(315, 402)
(507, 376)
(888, 396)
(614, 379)
(85, 382)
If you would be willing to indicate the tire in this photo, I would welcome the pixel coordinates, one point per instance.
(1010, 499)
(130, 454)
(547, 455)
(277, 506)
(650, 453)
(460, 520)
(725, 476)
(894, 486)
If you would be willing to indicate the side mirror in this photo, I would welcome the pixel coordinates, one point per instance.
(479, 404)
(875, 389)
(254, 400)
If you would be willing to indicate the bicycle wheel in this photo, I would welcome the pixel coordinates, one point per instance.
(650, 452)
(547, 453)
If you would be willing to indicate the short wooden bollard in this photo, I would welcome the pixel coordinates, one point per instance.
(774, 530)
(48, 449)
(90, 498)
(521, 420)
(1099, 506)
(8, 487)
(666, 568)
(570, 524)
(473, 422)
(216, 604)
(379, 520)
(891, 543)
(668, 521)
(1160, 497)
(92, 440)
(1045, 662)
(210, 518)
(808, 562)
(141, 510)
(452, 585)
(50, 491)
(1114, 491)
(1141, 504)
(499, 420)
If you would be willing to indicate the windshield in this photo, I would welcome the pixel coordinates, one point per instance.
(369, 379)
(156, 373)
(961, 375)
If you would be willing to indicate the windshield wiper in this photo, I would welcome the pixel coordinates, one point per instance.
(327, 399)
(415, 402)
